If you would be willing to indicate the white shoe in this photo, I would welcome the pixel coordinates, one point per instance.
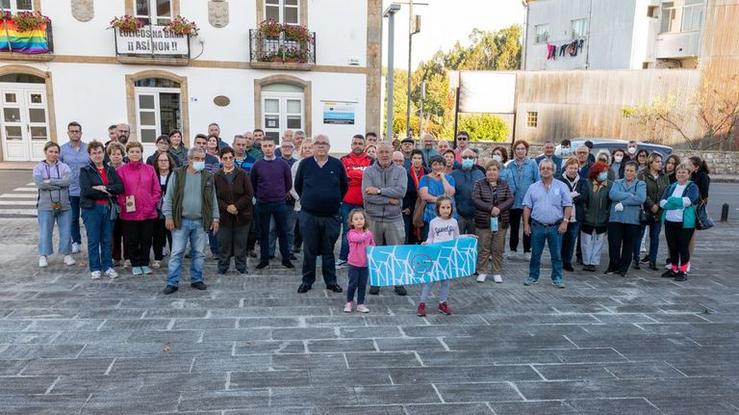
(348, 308)
(156, 264)
(362, 308)
(68, 260)
(111, 273)
(497, 278)
(75, 248)
(527, 256)
(482, 277)
(42, 262)
(512, 255)
(95, 275)
(127, 263)
(688, 270)
(668, 266)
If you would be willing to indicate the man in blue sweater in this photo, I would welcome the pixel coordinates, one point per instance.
(271, 180)
(321, 183)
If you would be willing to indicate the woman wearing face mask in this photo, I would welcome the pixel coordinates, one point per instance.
(138, 203)
(579, 195)
(465, 178)
(679, 202)
(500, 154)
(605, 157)
(656, 182)
(617, 167)
(595, 221)
(627, 196)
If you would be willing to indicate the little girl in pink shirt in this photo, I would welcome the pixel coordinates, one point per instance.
(359, 238)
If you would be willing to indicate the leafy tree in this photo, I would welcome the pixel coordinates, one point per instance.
(483, 127)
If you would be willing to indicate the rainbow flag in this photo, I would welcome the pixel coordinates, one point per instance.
(31, 42)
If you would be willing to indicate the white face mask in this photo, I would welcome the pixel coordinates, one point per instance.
(632, 150)
(198, 165)
(498, 158)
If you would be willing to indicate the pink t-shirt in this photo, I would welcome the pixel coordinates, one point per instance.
(358, 243)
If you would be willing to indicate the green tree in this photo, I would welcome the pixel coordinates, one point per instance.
(483, 127)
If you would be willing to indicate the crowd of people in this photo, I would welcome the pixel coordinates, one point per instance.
(292, 194)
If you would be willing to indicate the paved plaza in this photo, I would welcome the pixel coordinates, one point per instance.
(252, 345)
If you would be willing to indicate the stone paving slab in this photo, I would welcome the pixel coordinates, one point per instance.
(252, 345)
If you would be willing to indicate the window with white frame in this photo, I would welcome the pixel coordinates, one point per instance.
(579, 28)
(542, 33)
(692, 16)
(15, 6)
(682, 16)
(282, 108)
(284, 11)
(158, 109)
(157, 12)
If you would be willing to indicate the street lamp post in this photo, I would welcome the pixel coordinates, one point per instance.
(390, 14)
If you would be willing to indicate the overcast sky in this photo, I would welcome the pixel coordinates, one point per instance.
(444, 22)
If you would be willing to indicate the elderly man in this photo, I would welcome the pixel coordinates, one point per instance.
(321, 183)
(383, 188)
(298, 138)
(287, 156)
(549, 155)
(190, 209)
(215, 130)
(583, 159)
(443, 146)
(355, 164)
(465, 179)
(406, 147)
(287, 136)
(428, 149)
(547, 208)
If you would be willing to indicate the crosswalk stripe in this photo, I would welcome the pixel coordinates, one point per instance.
(25, 189)
(31, 184)
(17, 196)
(19, 212)
(17, 203)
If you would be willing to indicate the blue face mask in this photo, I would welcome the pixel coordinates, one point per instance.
(467, 163)
(602, 176)
(198, 165)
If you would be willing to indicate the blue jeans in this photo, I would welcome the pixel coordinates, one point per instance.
(99, 230)
(539, 235)
(655, 228)
(291, 217)
(75, 202)
(265, 212)
(46, 221)
(190, 230)
(346, 208)
(319, 237)
(569, 240)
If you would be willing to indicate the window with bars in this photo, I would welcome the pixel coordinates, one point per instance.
(532, 119)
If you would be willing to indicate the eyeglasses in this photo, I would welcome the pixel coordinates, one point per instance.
(462, 138)
(227, 158)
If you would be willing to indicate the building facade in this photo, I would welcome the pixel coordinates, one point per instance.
(317, 70)
(613, 34)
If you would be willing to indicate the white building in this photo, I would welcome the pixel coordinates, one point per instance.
(613, 34)
(227, 74)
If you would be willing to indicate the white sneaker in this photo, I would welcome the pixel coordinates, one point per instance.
(482, 277)
(42, 262)
(68, 260)
(75, 248)
(95, 275)
(497, 278)
(111, 273)
(512, 255)
(668, 266)
(688, 270)
(527, 256)
(348, 307)
(127, 263)
(362, 308)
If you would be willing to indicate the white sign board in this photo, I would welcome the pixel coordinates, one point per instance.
(487, 92)
(152, 40)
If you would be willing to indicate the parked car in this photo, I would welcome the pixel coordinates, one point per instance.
(611, 144)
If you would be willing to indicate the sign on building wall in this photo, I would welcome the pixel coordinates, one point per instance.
(339, 112)
(152, 40)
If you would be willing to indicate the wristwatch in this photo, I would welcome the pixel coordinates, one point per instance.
(379, 191)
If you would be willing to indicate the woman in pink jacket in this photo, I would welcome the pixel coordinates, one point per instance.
(138, 202)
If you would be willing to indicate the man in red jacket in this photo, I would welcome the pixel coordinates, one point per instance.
(354, 164)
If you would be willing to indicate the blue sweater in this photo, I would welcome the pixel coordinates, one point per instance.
(321, 189)
(632, 196)
(271, 180)
(464, 183)
(520, 178)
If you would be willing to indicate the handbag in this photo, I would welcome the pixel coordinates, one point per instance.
(702, 219)
(418, 212)
(115, 210)
(643, 217)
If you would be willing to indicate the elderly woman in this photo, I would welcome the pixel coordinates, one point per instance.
(678, 203)
(492, 199)
(595, 221)
(52, 177)
(627, 196)
(116, 153)
(433, 186)
(656, 182)
(99, 186)
(138, 203)
(234, 193)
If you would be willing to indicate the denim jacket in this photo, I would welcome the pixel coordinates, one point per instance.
(520, 177)
(631, 196)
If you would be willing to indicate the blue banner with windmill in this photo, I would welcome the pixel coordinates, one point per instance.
(417, 264)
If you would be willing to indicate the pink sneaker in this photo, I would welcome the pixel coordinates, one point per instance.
(444, 308)
(362, 308)
(421, 310)
(348, 307)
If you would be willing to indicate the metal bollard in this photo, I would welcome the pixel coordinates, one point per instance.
(725, 212)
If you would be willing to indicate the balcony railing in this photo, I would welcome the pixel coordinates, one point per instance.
(281, 49)
(31, 42)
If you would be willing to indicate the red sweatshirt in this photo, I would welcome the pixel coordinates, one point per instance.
(354, 166)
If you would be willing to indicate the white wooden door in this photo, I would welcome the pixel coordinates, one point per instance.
(282, 111)
(157, 113)
(25, 121)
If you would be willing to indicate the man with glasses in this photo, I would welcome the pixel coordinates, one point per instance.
(463, 140)
(74, 154)
(190, 209)
(321, 183)
(583, 159)
(465, 179)
(547, 208)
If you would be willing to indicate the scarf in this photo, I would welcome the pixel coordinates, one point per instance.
(416, 176)
(599, 185)
(571, 183)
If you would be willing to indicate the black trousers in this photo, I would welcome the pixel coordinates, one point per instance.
(138, 235)
(320, 234)
(678, 242)
(232, 242)
(161, 237)
(516, 218)
(621, 239)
